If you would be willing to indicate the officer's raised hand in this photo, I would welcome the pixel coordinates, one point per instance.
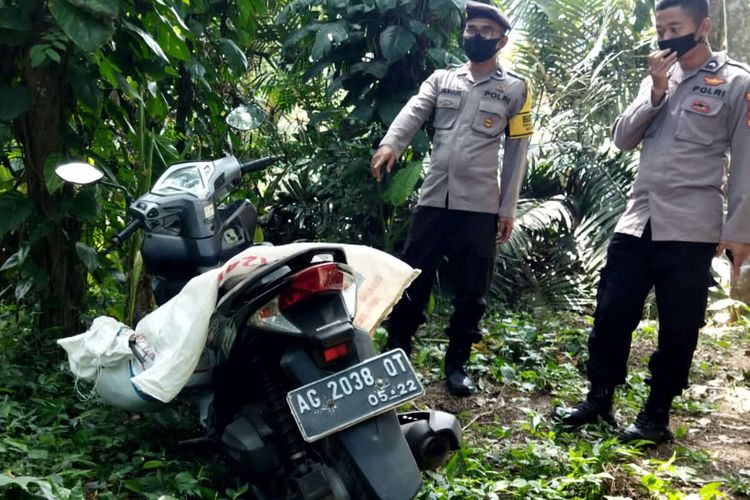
(385, 155)
(659, 63)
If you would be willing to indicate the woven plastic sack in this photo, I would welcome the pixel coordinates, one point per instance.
(175, 334)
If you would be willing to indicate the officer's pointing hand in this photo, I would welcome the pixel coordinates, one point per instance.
(385, 155)
(504, 228)
(659, 63)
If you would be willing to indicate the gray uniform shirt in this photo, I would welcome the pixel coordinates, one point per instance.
(685, 142)
(470, 118)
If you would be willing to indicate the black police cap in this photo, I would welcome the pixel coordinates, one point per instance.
(486, 11)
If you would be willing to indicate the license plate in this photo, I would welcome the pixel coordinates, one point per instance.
(355, 394)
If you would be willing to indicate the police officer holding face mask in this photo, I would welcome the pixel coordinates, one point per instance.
(691, 115)
(465, 208)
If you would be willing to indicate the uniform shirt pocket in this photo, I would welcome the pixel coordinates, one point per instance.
(698, 120)
(446, 111)
(491, 118)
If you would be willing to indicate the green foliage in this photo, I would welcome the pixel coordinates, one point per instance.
(14, 100)
(55, 445)
(351, 66)
(141, 85)
(361, 61)
(88, 24)
(513, 449)
(583, 61)
(16, 209)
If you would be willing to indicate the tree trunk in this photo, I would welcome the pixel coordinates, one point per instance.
(717, 38)
(738, 47)
(738, 34)
(40, 131)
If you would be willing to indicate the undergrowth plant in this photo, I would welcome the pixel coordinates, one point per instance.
(54, 444)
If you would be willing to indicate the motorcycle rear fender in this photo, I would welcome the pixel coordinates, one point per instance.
(376, 447)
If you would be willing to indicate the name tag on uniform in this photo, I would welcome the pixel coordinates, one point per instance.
(449, 102)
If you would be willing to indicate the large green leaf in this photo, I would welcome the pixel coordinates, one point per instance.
(23, 287)
(51, 179)
(12, 19)
(173, 45)
(103, 9)
(378, 69)
(235, 56)
(385, 5)
(327, 35)
(83, 206)
(5, 135)
(89, 27)
(395, 42)
(13, 101)
(85, 87)
(363, 112)
(416, 27)
(150, 42)
(321, 47)
(388, 111)
(403, 184)
(17, 259)
(15, 208)
(180, 22)
(88, 256)
(421, 142)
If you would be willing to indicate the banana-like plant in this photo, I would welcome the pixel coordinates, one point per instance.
(583, 60)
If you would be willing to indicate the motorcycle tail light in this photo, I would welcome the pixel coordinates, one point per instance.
(269, 316)
(335, 352)
(321, 278)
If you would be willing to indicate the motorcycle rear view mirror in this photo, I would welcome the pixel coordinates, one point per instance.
(245, 117)
(79, 173)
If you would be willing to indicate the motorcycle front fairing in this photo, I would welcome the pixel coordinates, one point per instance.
(186, 231)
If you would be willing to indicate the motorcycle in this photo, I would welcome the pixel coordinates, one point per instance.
(298, 398)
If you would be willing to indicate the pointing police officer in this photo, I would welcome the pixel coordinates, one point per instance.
(465, 208)
(693, 110)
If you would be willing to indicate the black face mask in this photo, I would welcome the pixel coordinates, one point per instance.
(680, 45)
(479, 49)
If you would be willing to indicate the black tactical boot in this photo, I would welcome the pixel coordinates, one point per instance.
(458, 382)
(398, 339)
(652, 423)
(598, 405)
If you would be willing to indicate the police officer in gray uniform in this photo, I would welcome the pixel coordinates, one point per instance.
(691, 111)
(465, 208)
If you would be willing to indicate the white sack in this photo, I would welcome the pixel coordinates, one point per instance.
(176, 332)
(104, 344)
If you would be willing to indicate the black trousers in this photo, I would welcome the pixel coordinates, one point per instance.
(680, 273)
(467, 239)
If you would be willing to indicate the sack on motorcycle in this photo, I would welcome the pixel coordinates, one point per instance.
(132, 369)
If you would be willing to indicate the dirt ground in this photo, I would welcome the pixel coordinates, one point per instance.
(723, 433)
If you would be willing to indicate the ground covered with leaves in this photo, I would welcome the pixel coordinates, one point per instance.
(55, 445)
(527, 365)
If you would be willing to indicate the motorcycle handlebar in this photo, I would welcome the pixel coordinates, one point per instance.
(258, 164)
(123, 235)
